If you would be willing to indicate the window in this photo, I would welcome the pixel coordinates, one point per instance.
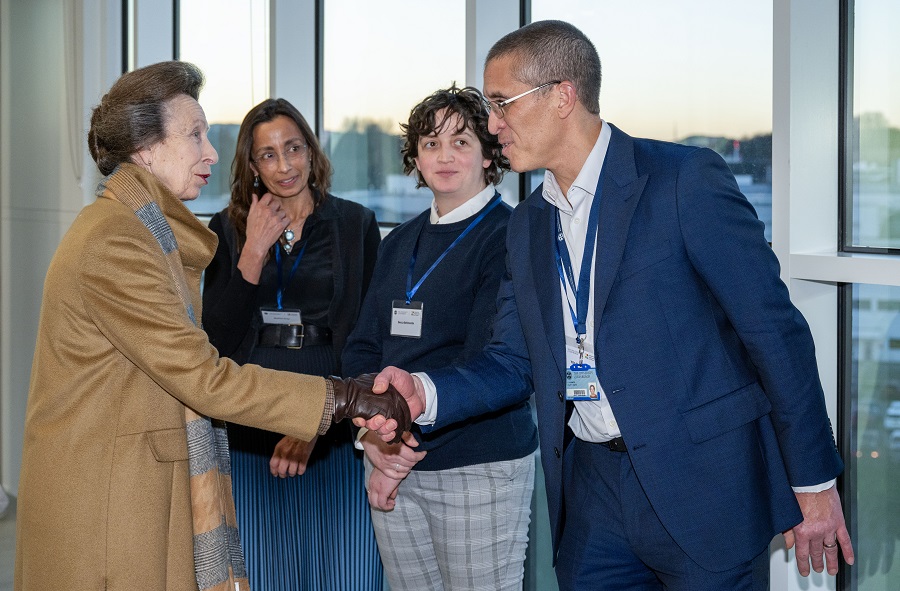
(873, 170)
(700, 75)
(873, 422)
(380, 60)
(229, 41)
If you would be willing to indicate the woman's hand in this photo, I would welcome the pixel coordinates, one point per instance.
(382, 490)
(266, 220)
(291, 456)
(393, 460)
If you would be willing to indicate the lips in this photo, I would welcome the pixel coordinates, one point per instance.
(287, 182)
(204, 177)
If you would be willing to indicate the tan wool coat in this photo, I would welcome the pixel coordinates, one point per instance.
(104, 499)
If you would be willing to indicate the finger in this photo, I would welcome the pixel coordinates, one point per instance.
(843, 538)
(376, 423)
(410, 440)
(817, 555)
(831, 558)
(253, 200)
(789, 539)
(802, 556)
(359, 422)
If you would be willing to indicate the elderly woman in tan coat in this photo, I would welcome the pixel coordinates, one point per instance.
(125, 481)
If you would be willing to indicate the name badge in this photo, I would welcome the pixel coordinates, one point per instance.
(276, 316)
(406, 319)
(582, 383)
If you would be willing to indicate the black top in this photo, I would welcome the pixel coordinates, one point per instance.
(328, 286)
(458, 308)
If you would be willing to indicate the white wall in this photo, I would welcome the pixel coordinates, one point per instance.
(56, 58)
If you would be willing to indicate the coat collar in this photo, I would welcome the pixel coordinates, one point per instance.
(196, 243)
(622, 189)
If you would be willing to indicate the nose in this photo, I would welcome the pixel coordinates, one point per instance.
(209, 153)
(495, 123)
(445, 154)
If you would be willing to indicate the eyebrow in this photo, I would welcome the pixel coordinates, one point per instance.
(287, 142)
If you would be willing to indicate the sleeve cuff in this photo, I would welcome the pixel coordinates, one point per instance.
(429, 415)
(815, 488)
(328, 412)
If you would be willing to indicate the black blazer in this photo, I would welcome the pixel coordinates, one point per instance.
(229, 300)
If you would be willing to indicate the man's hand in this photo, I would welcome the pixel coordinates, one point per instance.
(290, 456)
(382, 490)
(409, 386)
(821, 530)
(354, 397)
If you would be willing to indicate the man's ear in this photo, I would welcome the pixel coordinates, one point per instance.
(567, 96)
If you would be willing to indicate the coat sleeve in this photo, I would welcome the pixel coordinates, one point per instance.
(128, 292)
(726, 246)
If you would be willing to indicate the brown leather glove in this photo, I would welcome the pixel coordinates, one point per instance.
(353, 397)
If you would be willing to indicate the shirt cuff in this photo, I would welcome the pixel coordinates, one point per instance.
(815, 488)
(429, 415)
(328, 412)
(357, 443)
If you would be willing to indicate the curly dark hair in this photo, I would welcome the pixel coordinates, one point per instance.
(131, 116)
(471, 107)
(242, 175)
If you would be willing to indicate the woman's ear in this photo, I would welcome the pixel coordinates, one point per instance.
(143, 158)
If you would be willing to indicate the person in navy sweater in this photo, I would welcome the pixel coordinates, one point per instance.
(450, 508)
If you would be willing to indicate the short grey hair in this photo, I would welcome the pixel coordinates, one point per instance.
(553, 50)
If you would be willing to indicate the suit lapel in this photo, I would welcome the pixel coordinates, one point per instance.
(546, 279)
(622, 190)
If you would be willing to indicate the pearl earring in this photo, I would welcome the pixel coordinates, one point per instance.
(256, 182)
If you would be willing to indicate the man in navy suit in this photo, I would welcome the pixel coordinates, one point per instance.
(640, 266)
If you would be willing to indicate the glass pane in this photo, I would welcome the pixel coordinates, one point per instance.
(380, 60)
(701, 75)
(229, 41)
(874, 423)
(875, 136)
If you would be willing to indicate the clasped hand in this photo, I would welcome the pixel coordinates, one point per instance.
(357, 398)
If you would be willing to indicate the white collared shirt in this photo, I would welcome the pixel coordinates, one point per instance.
(593, 420)
(466, 210)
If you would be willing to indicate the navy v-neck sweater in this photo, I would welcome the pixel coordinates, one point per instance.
(459, 303)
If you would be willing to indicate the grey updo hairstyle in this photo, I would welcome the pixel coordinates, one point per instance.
(130, 117)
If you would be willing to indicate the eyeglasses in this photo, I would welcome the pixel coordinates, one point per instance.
(269, 159)
(497, 108)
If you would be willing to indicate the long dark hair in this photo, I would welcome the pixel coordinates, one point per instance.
(242, 175)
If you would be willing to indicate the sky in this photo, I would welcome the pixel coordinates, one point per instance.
(671, 68)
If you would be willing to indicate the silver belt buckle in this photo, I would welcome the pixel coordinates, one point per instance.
(302, 335)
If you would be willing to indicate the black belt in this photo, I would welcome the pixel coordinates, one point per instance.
(293, 336)
(617, 444)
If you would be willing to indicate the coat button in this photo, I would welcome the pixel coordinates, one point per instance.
(559, 393)
(556, 451)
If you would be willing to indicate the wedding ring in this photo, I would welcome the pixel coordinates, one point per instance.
(831, 545)
(397, 467)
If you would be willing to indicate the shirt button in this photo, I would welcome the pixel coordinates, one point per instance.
(612, 423)
(577, 220)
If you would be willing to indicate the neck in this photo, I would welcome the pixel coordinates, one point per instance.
(574, 150)
(299, 207)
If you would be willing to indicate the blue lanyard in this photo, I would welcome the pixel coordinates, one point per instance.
(582, 290)
(280, 292)
(410, 289)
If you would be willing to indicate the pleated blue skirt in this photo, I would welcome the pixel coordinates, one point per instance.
(310, 532)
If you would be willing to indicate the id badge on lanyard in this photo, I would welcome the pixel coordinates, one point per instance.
(406, 315)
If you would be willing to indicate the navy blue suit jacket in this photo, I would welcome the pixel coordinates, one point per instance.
(708, 366)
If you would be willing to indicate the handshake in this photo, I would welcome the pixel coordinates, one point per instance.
(354, 398)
